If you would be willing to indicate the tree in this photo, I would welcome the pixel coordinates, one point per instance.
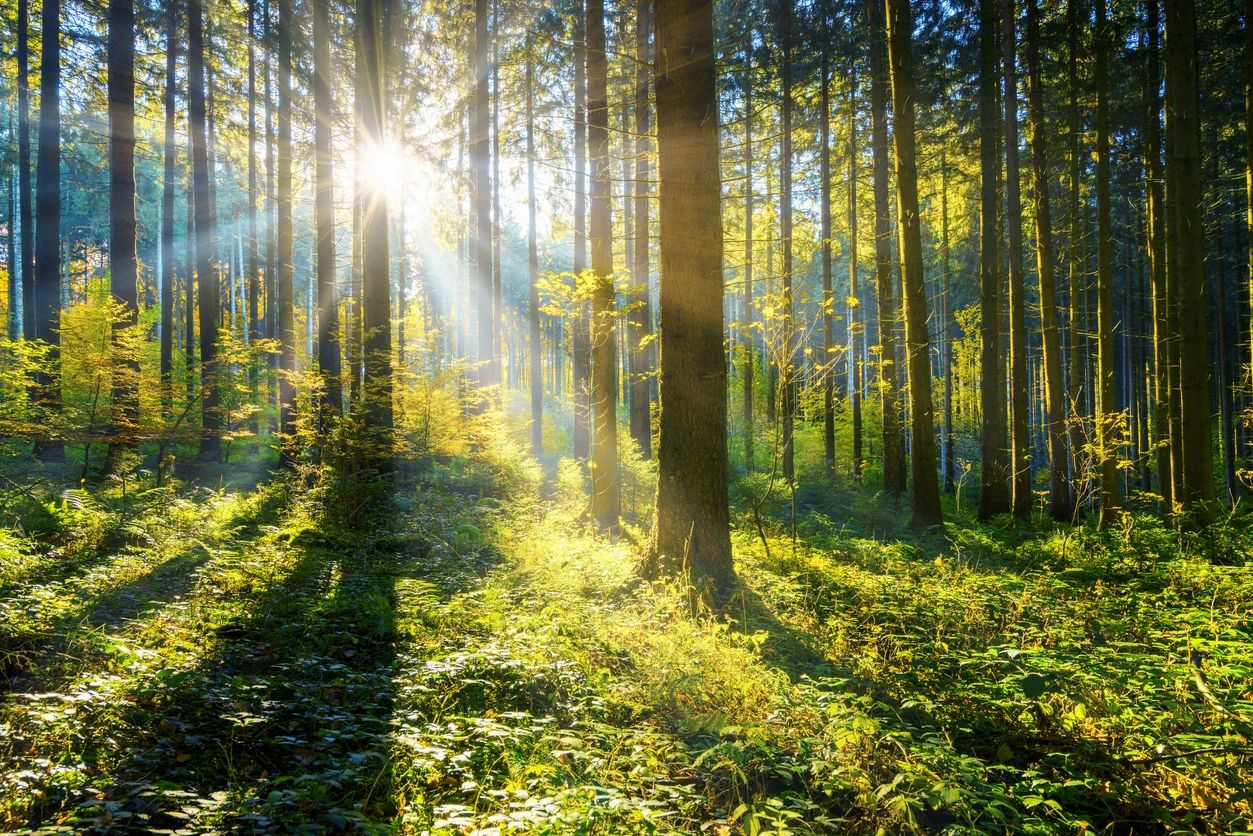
(46, 293)
(254, 265)
(856, 332)
(25, 211)
(532, 262)
(889, 385)
(123, 259)
(167, 204)
(994, 474)
(284, 301)
(927, 511)
(604, 389)
(210, 303)
(748, 337)
(641, 326)
(1061, 506)
(1186, 258)
(828, 297)
(1107, 418)
(787, 360)
(482, 191)
(691, 528)
(579, 346)
(1019, 421)
(376, 249)
(324, 213)
(1156, 233)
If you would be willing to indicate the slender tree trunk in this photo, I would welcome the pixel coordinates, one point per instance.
(856, 327)
(789, 349)
(749, 339)
(1156, 232)
(828, 296)
(1186, 258)
(286, 302)
(254, 260)
(324, 214)
(927, 511)
(532, 260)
(123, 260)
(211, 421)
(480, 164)
(579, 347)
(604, 461)
(1248, 160)
(691, 530)
(167, 208)
(641, 315)
(1061, 506)
(1019, 423)
(1107, 414)
(994, 477)
(25, 210)
(1076, 347)
(496, 367)
(47, 271)
(376, 311)
(889, 385)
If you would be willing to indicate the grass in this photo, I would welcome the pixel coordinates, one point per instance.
(465, 657)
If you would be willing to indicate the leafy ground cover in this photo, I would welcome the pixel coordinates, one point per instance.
(463, 657)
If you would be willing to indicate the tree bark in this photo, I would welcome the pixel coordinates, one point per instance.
(789, 348)
(1156, 232)
(641, 314)
(532, 260)
(856, 328)
(324, 215)
(927, 511)
(691, 530)
(285, 301)
(579, 347)
(1061, 506)
(828, 297)
(25, 210)
(167, 208)
(604, 395)
(1107, 415)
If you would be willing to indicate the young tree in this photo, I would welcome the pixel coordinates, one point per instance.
(994, 474)
(604, 389)
(1061, 506)
(123, 260)
(691, 529)
(927, 511)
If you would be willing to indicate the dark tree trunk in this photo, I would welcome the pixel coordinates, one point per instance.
(604, 396)
(927, 511)
(1156, 222)
(254, 262)
(211, 421)
(480, 165)
(749, 340)
(285, 293)
(641, 313)
(1107, 413)
(788, 349)
(47, 270)
(691, 530)
(324, 214)
(532, 260)
(579, 347)
(856, 326)
(828, 297)
(167, 207)
(25, 210)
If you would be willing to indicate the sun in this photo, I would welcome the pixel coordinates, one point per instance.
(383, 169)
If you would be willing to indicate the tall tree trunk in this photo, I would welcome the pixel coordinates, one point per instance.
(1076, 344)
(480, 164)
(788, 351)
(254, 260)
(1186, 258)
(641, 313)
(496, 367)
(25, 210)
(167, 207)
(604, 399)
(1061, 506)
(211, 421)
(123, 259)
(286, 301)
(1107, 416)
(828, 296)
(927, 511)
(749, 339)
(949, 465)
(1248, 158)
(47, 271)
(579, 347)
(376, 311)
(324, 213)
(1156, 231)
(532, 260)
(1019, 423)
(994, 475)
(889, 378)
(856, 327)
(691, 530)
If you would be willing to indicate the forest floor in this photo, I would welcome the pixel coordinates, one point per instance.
(457, 655)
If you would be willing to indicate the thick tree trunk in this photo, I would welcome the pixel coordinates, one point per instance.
(207, 285)
(604, 396)
(47, 271)
(1061, 506)
(1156, 232)
(1107, 414)
(994, 497)
(889, 385)
(1020, 431)
(123, 259)
(324, 214)
(1186, 258)
(691, 530)
(376, 313)
(927, 511)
